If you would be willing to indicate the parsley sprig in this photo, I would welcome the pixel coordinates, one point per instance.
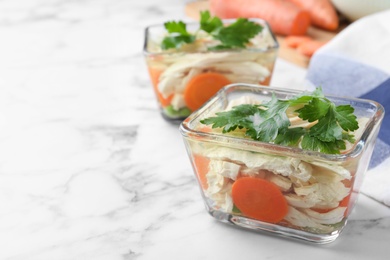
(269, 122)
(178, 35)
(235, 35)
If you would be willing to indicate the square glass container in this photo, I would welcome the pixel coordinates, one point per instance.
(320, 189)
(184, 78)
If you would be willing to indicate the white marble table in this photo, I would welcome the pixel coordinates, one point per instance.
(90, 170)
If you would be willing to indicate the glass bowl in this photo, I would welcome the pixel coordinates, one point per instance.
(173, 70)
(320, 189)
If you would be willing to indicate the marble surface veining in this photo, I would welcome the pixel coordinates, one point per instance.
(90, 170)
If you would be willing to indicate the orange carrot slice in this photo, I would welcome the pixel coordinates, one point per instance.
(319, 210)
(154, 77)
(308, 48)
(293, 41)
(205, 128)
(259, 199)
(202, 87)
(284, 17)
(345, 202)
(322, 13)
(266, 81)
(347, 183)
(201, 165)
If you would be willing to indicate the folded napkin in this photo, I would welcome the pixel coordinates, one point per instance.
(357, 63)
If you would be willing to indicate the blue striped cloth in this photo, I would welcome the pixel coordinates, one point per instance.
(345, 77)
(357, 63)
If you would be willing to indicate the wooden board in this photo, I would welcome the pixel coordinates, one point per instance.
(192, 10)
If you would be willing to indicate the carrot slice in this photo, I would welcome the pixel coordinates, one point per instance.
(347, 183)
(201, 165)
(205, 128)
(308, 48)
(202, 87)
(319, 210)
(266, 81)
(154, 77)
(284, 17)
(345, 202)
(259, 199)
(293, 41)
(322, 13)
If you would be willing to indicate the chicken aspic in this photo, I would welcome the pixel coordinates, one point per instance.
(185, 74)
(306, 194)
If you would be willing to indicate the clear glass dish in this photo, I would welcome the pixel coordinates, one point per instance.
(172, 70)
(320, 189)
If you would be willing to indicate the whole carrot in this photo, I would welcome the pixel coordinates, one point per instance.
(284, 17)
(322, 13)
(294, 41)
(308, 48)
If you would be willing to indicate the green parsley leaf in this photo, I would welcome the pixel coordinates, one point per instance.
(290, 136)
(230, 120)
(178, 35)
(348, 137)
(176, 27)
(327, 129)
(268, 122)
(238, 33)
(276, 107)
(346, 118)
(235, 35)
(315, 109)
(263, 130)
(310, 143)
(265, 124)
(176, 41)
(219, 47)
(306, 97)
(236, 210)
(209, 24)
(315, 144)
(318, 93)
